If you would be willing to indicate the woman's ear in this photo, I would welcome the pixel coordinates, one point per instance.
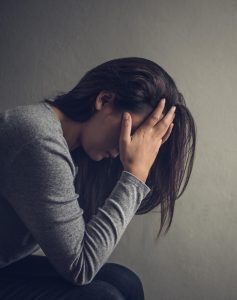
(104, 98)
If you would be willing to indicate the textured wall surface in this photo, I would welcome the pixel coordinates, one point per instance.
(46, 46)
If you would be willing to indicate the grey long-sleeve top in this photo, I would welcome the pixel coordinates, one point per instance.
(39, 207)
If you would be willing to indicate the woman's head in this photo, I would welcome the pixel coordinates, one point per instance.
(135, 85)
(101, 132)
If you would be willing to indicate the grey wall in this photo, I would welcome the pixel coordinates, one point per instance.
(46, 46)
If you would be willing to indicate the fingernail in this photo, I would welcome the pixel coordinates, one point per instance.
(173, 108)
(163, 100)
(126, 116)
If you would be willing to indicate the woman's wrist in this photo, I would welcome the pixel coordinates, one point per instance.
(139, 175)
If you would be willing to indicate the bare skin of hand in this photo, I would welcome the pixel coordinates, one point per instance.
(138, 152)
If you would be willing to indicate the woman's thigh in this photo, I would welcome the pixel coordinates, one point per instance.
(53, 289)
(33, 277)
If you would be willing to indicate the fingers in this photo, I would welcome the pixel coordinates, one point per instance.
(162, 126)
(168, 133)
(155, 116)
(125, 133)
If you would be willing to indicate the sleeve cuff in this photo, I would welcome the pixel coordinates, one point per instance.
(129, 176)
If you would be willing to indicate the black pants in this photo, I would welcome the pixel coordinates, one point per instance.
(33, 277)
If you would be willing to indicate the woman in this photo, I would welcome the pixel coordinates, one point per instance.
(75, 170)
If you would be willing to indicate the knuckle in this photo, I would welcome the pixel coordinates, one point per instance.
(165, 123)
(154, 118)
(149, 132)
(162, 126)
(143, 130)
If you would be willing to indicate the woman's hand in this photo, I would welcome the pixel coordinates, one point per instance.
(138, 152)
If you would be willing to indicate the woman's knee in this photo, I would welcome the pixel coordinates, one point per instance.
(126, 280)
(134, 282)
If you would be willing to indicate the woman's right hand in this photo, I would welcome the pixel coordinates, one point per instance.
(138, 152)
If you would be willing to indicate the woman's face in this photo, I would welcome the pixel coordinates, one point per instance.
(101, 133)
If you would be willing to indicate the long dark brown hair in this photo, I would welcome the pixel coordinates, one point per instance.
(134, 82)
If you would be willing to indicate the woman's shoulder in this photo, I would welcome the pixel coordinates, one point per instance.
(23, 123)
(30, 124)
